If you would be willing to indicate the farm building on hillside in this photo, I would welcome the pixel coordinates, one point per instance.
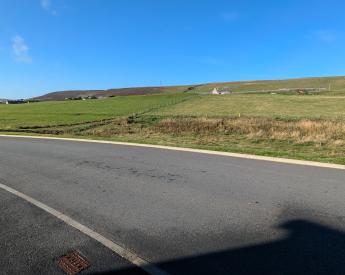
(20, 101)
(217, 91)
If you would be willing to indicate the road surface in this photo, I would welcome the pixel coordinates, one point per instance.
(184, 213)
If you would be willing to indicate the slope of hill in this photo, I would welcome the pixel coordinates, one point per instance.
(322, 84)
(111, 92)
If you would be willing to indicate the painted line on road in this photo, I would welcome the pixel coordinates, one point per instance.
(190, 150)
(119, 250)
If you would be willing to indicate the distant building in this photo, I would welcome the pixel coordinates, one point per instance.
(81, 98)
(91, 97)
(19, 101)
(217, 91)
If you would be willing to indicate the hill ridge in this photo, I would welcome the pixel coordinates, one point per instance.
(328, 82)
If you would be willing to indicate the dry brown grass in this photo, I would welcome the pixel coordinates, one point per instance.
(320, 132)
(319, 140)
(300, 131)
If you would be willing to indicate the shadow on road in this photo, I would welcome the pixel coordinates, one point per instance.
(309, 248)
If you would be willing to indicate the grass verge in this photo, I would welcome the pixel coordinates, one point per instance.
(316, 140)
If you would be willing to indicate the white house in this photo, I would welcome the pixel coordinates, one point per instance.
(216, 91)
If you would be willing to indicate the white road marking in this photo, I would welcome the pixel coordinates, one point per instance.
(119, 250)
(208, 152)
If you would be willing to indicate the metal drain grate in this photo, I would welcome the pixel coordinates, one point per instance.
(73, 263)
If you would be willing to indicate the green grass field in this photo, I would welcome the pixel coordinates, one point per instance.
(285, 124)
(71, 112)
(266, 105)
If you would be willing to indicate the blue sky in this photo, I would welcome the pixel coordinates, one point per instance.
(49, 45)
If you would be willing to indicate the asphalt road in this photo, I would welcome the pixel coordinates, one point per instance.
(187, 213)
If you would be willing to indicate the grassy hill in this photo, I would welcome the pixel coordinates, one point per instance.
(333, 83)
(112, 92)
(259, 117)
(324, 84)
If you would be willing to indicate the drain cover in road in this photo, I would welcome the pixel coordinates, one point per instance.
(73, 263)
